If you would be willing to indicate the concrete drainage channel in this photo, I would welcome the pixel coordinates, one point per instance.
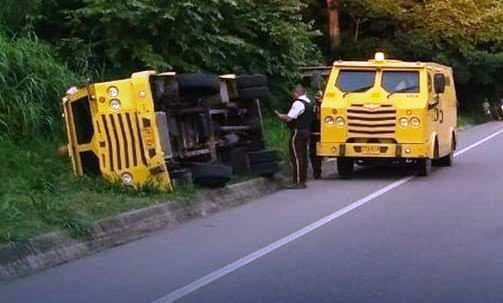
(58, 247)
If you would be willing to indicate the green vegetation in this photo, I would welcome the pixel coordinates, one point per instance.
(38, 193)
(277, 136)
(31, 83)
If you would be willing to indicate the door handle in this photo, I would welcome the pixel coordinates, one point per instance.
(441, 116)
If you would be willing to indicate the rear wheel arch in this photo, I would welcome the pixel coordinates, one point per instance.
(434, 146)
(454, 140)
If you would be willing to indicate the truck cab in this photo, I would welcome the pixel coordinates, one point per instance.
(389, 111)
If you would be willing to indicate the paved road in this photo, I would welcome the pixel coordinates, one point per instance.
(387, 238)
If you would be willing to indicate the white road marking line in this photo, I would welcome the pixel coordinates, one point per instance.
(216, 275)
(466, 149)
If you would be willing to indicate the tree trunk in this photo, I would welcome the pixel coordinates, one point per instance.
(334, 29)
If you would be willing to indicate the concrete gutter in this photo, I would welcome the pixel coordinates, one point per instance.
(58, 247)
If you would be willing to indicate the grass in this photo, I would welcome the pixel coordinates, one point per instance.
(277, 135)
(38, 193)
(32, 82)
(470, 118)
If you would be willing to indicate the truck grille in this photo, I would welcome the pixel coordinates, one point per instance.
(366, 122)
(123, 141)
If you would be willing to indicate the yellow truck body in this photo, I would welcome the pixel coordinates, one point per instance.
(389, 109)
(116, 132)
(164, 129)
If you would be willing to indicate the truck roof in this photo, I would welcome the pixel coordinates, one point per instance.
(391, 64)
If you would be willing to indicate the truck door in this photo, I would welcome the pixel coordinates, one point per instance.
(433, 110)
(439, 81)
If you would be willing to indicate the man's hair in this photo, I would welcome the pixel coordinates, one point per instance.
(299, 89)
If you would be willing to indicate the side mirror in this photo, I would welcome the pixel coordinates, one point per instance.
(439, 83)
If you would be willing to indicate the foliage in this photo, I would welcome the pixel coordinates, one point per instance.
(465, 34)
(277, 135)
(31, 83)
(38, 193)
(218, 36)
(15, 13)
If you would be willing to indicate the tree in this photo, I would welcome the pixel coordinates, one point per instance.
(218, 36)
(333, 24)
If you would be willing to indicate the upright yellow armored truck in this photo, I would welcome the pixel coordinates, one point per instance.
(388, 110)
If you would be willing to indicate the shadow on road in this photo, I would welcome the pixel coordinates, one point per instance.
(365, 173)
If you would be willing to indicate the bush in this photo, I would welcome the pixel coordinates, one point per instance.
(32, 82)
(219, 36)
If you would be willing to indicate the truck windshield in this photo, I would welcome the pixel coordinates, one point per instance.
(400, 81)
(352, 81)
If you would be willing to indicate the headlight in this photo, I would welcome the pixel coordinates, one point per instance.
(404, 122)
(329, 120)
(415, 122)
(115, 104)
(113, 92)
(127, 179)
(72, 91)
(340, 122)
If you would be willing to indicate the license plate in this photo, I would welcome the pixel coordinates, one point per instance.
(370, 149)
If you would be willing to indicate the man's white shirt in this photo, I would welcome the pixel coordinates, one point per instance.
(298, 108)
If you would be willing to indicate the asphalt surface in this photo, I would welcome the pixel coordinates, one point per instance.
(434, 239)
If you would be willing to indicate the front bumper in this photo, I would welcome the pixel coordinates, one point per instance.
(371, 150)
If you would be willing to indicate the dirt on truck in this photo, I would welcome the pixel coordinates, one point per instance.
(165, 129)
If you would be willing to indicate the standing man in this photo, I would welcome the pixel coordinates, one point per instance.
(299, 120)
(316, 160)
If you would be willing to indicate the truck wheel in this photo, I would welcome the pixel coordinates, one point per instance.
(345, 167)
(211, 175)
(446, 161)
(424, 167)
(198, 85)
(254, 93)
(263, 163)
(247, 81)
(449, 159)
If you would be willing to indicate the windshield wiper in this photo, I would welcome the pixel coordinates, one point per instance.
(358, 90)
(403, 90)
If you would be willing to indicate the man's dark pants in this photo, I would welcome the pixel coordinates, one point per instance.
(316, 161)
(299, 141)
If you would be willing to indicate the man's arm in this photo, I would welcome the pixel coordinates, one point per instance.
(295, 111)
(283, 117)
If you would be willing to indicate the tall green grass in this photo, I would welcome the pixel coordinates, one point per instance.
(32, 82)
(277, 135)
(38, 193)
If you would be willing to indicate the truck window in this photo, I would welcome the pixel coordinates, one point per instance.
(401, 81)
(355, 80)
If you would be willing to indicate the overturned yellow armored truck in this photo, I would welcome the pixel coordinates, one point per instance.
(162, 129)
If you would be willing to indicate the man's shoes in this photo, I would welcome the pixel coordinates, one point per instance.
(295, 186)
(317, 176)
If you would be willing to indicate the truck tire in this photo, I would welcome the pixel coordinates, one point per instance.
(211, 175)
(267, 170)
(424, 167)
(239, 160)
(263, 156)
(252, 93)
(345, 167)
(446, 161)
(247, 81)
(449, 159)
(198, 85)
